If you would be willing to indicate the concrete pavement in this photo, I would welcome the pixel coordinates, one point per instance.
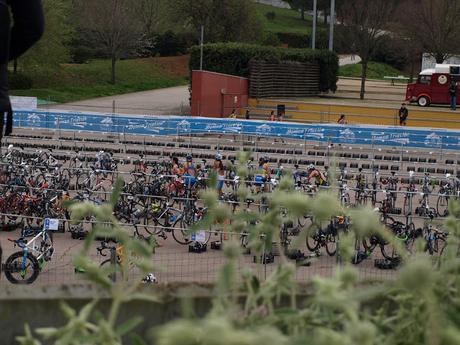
(169, 101)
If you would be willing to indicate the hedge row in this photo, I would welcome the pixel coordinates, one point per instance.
(234, 59)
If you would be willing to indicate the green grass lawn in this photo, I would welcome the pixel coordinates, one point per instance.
(286, 20)
(72, 82)
(375, 70)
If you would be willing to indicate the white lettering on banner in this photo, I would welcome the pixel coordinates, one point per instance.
(154, 126)
(298, 132)
(317, 133)
(433, 140)
(23, 103)
(400, 138)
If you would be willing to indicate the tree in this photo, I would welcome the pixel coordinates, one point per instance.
(53, 48)
(151, 14)
(301, 5)
(224, 21)
(112, 25)
(433, 23)
(366, 21)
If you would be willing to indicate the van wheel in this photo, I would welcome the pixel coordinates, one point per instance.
(423, 101)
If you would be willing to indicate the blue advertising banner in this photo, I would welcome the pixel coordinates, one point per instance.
(175, 125)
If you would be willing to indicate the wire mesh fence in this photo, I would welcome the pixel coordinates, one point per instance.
(176, 263)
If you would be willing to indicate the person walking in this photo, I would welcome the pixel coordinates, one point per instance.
(403, 115)
(453, 95)
(28, 27)
(342, 120)
(233, 114)
(272, 116)
(247, 115)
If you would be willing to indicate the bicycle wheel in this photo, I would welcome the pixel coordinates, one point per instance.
(388, 251)
(331, 244)
(181, 234)
(440, 245)
(115, 272)
(442, 206)
(82, 181)
(64, 180)
(312, 241)
(21, 269)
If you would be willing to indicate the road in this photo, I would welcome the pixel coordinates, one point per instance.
(169, 101)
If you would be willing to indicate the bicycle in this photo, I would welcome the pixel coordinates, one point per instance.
(30, 260)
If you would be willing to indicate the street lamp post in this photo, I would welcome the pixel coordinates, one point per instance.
(313, 32)
(331, 26)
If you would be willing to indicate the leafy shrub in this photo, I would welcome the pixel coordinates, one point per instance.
(270, 15)
(271, 39)
(19, 81)
(234, 59)
(420, 306)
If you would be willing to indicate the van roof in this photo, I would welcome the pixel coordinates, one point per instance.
(439, 68)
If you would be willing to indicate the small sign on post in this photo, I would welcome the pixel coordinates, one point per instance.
(51, 224)
(199, 236)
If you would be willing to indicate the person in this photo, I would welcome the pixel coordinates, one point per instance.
(403, 114)
(272, 116)
(318, 176)
(219, 169)
(176, 169)
(280, 116)
(233, 114)
(360, 180)
(27, 29)
(247, 115)
(342, 120)
(262, 174)
(189, 171)
(453, 95)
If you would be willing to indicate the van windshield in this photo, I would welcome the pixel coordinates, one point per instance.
(425, 79)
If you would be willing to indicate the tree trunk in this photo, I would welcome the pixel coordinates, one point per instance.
(15, 66)
(363, 78)
(302, 14)
(113, 77)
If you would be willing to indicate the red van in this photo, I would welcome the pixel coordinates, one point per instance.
(432, 86)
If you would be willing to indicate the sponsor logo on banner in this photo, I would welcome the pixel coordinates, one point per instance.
(183, 126)
(296, 132)
(224, 127)
(316, 133)
(106, 123)
(433, 140)
(400, 138)
(347, 136)
(33, 118)
(264, 129)
(154, 126)
(233, 127)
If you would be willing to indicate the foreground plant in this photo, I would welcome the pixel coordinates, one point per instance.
(420, 306)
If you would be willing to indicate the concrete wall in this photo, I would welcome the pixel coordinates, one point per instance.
(216, 94)
(40, 307)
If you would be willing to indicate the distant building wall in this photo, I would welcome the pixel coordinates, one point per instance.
(217, 94)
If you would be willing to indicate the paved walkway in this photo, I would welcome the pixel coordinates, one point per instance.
(169, 101)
